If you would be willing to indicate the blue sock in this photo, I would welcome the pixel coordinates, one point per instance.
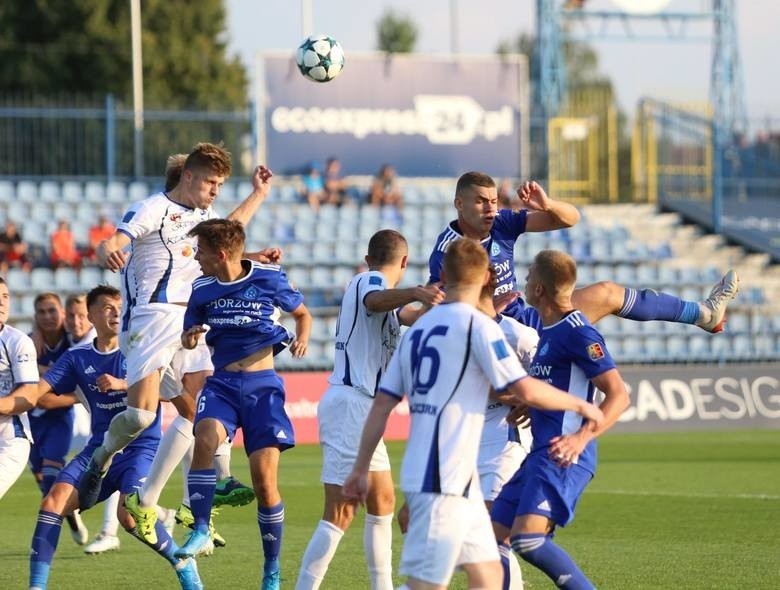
(540, 551)
(647, 305)
(271, 522)
(201, 484)
(505, 553)
(50, 473)
(165, 545)
(44, 544)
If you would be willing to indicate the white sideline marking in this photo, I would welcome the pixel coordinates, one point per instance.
(687, 495)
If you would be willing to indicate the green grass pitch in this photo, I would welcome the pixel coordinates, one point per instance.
(667, 511)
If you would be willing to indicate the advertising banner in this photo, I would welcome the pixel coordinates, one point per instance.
(424, 115)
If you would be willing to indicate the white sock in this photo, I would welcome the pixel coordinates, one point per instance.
(378, 544)
(124, 429)
(174, 444)
(515, 574)
(186, 464)
(222, 460)
(110, 521)
(319, 552)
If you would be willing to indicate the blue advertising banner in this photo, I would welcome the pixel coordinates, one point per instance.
(424, 115)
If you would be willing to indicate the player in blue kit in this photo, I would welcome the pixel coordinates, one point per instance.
(446, 363)
(476, 201)
(237, 299)
(98, 370)
(543, 494)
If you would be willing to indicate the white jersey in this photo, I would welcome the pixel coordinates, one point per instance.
(18, 365)
(446, 362)
(522, 340)
(365, 341)
(162, 264)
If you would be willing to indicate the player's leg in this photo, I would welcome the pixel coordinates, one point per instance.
(483, 575)
(264, 467)
(61, 499)
(13, 459)
(601, 299)
(378, 528)
(107, 539)
(230, 491)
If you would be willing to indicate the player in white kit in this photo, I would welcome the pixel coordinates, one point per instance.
(448, 524)
(157, 280)
(18, 372)
(366, 336)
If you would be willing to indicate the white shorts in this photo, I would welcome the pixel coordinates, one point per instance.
(152, 341)
(445, 531)
(496, 465)
(341, 414)
(14, 453)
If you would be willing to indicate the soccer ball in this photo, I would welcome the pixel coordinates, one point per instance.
(320, 58)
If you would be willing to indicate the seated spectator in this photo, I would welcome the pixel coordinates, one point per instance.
(385, 190)
(63, 247)
(335, 187)
(102, 230)
(313, 187)
(507, 196)
(13, 250)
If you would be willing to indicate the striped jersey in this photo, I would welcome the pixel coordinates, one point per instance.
(365, 341)
(241, 314)
(162, 264)
(18, 366)
(446, 363)
(570, 353)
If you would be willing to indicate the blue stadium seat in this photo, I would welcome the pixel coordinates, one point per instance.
(18, 280)
(42, 279)
(699, 348)
(112, 278)
(137, 191)
(7, 191)
(72, 192)
(90, 277)
(67, 279)
(116, 192)
(27, 191)
(95, 192)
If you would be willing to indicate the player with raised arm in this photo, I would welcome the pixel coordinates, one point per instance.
(366, 335)
(448, 524)
(237, 299)
(18, 375)
(157, 281)
(97, 369)
(571, 356)
(476, 202)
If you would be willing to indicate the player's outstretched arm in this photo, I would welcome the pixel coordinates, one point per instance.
(541, 395)
(390, 299)
(356, 484)
(261, 186)
(52, 401)
(270, 255)
(303, 320)
(190, 337)
(23, 398)
(565, 449)
(106, 382)
(110, 253)
(544, 213)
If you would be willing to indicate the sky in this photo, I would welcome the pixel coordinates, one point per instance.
(660, 67)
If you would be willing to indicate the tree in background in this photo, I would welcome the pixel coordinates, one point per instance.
(396, 33)
(50, 48)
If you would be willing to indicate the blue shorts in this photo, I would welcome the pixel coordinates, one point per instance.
(127, 472)
(52, 434)
(525, 314)
(540, 486)
(253, 401)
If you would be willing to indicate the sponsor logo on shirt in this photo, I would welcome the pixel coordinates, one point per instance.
(595, 352)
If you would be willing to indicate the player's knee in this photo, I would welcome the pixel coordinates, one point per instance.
(382, 502)
(136, 419)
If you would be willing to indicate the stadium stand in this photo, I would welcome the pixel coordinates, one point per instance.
(631, 244)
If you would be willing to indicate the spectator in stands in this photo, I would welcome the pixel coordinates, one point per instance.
(13, 250)
(314, 187)
(63, 247)
(385, 190)
(335, 186)
(102, 230)
(507, 197)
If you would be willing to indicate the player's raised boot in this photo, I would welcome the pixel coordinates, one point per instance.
(184, 517)
(90, 484)
(271, 581)
(196, 542)
(232, 492)
(145, 518)
(712, 316)
(78, 530)
(102, 544)
(187, 572)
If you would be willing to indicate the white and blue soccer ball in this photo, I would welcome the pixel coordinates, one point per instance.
(320, 58)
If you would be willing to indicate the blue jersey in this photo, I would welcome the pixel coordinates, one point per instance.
(240, 314)
(500, 246)
(47, 359)
(80, 367)
(570, 353)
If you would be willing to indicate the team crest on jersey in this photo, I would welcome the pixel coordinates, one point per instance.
(544, 349)
(175, 217)
(595, 352)
(495, 249)
(186, 250)
(499, 347)
(251, 292)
